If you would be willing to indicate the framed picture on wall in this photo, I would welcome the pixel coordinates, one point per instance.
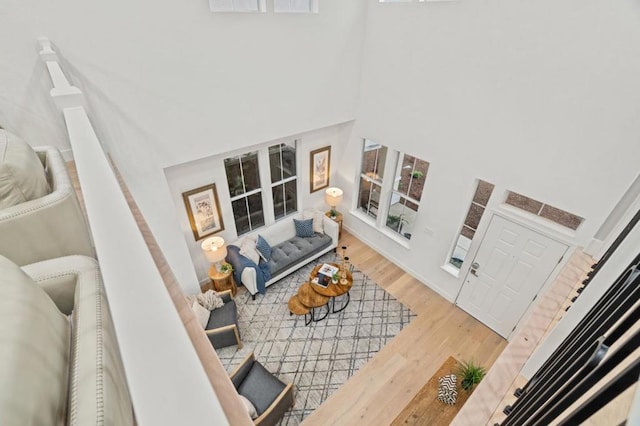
(320, 162)
(203, 210)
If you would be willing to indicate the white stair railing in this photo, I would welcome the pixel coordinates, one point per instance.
(167, 382)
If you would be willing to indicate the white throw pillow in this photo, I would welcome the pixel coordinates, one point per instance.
(248, 250)
(251, 410)
(202, 314)
(317, 217)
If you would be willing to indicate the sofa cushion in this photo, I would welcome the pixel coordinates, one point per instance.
(22, 176)
(34, 352)
(295, 250)
(201, 313)
(264, 249)
(304, 228)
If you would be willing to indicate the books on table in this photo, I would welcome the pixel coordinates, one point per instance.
(323, 278)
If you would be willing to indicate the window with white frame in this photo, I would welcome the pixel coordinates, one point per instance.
(282, 164)
(238, 5)
(471, 221)
(410, 177)
(374, 157)
(243, 178)
(295, 6)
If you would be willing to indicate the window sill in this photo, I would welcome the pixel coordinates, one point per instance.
(386, 232)
(450, 269)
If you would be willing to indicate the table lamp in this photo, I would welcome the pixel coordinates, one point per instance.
(214, 251)
(332, 197)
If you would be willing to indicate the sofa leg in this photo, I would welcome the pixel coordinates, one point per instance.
(253, 297)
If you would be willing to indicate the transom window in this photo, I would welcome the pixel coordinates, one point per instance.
(411, 174)
(238, 5)
(295, 6)
(554, 214)
(282, 163)
(374, 157)
(243, 178)
(471, 221)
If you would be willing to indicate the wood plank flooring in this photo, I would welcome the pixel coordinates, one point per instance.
(377, 393)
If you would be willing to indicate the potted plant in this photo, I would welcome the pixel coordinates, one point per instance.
(334, 278)
(417, 174)
(470, 374)
(396, 222)
(226, 267)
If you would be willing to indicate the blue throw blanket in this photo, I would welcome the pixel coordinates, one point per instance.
(239, 262)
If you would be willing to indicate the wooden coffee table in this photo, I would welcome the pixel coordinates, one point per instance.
(333, 290)
(312, 296)
(306, 302)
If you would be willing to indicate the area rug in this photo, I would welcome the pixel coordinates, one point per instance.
(320, 357)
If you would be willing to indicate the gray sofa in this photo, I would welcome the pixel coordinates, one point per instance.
(289, 252)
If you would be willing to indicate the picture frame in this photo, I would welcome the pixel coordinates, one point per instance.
(320, 168)
(203, 210)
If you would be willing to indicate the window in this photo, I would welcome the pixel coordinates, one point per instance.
(295, 6)
(374, 157)
(237, 5)
(407, 191)
(546, 211)
(243, 178)
(476, 210)
(282, 163)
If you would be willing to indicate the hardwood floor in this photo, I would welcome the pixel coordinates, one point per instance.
(377, 393)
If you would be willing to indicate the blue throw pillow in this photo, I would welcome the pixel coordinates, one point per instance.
(264, 249)
(304, 228)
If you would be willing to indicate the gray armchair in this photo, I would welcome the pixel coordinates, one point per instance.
(270, 397)
(222, 328)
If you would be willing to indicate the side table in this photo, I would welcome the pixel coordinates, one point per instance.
(223, 280)
(338, 219)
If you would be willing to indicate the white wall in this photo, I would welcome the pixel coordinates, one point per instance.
(541, 98)
(191, 175)
(170, 82)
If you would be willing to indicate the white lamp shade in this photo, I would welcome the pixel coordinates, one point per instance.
(214, 249)
(333, 196)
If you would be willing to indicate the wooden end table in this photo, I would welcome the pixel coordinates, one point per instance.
(222, 281)
(296, 307)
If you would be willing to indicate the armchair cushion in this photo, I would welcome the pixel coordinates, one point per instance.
(22, 177)
(260, 387)
(223, 316)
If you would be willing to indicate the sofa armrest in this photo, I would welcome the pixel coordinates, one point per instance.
(249, 279)
(332, 229)
(59, 278)
(49, 226)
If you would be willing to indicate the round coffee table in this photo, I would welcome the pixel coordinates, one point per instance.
(333, 290)
(296, 307)
(308, 297)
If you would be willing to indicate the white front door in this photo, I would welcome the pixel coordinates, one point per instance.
(510, 268)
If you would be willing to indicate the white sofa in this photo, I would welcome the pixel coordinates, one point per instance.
(49, 225)
(59, 358)
(279, 233)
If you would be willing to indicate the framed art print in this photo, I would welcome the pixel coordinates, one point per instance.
(203, 210)
(320, 168)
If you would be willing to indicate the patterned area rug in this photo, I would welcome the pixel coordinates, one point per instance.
(320, 357)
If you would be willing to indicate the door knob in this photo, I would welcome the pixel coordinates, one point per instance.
(474, 267)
